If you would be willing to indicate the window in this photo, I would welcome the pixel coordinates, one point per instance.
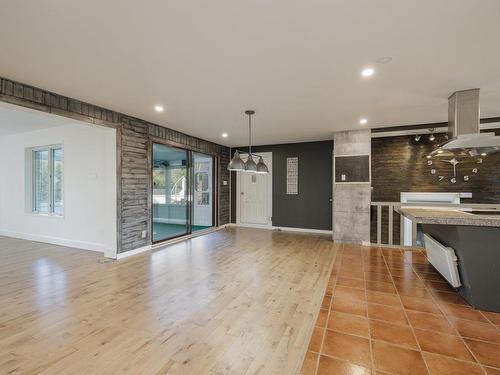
(178, 193)
(201, 188)
(171, 179)
(159, 180)
(47, 180)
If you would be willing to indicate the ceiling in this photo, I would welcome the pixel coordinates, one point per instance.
(297, 63)
(15, 119)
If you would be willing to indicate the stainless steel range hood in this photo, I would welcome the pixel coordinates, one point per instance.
(463, 128)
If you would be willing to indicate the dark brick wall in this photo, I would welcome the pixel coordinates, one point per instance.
(133, 140)
(399, 165)
(224, 192)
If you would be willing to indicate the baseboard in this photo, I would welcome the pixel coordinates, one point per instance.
(254, 226)
(289, 229)
(56, 241)
(129, 253)
(304, 230)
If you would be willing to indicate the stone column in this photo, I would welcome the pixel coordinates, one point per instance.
(351, 201)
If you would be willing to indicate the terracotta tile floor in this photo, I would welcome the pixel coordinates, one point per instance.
(387, 311)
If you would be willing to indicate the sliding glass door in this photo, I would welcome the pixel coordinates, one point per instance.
(183, 192)
(170, 192)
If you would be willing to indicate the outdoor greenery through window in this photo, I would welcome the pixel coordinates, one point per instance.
(172, 179)
(47, 189)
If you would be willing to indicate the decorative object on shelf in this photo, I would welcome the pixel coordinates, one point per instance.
(237, 164)
(292, 176)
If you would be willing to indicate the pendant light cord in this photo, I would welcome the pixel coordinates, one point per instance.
(250, 135)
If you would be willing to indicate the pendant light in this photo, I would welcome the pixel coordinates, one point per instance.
(237, 164)
(432, 138)
(261, 166)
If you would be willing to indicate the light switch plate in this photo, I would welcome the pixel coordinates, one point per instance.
(342, 177)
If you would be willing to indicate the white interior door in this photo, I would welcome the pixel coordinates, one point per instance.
(255, 195)
(202, 188)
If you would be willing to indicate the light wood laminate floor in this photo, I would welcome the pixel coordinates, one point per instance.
(237, 301)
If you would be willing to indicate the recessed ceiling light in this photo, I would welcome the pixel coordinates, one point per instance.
(440, 151)
(158, 108)
(483, 154)
(384, 59)
(224, 135)
(363, 121)
(367, 72)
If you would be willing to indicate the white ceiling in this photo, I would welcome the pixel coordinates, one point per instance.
(297, 63)
(15, 119)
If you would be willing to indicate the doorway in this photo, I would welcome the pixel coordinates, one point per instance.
(183, 192)
(254, 196)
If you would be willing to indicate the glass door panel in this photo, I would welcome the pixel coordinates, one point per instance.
(203, 178)
(170, 192)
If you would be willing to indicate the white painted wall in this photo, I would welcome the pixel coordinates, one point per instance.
(89, 188)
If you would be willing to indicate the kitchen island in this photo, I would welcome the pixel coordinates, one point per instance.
(474, 237)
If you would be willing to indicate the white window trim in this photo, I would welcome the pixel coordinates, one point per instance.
(31, 179)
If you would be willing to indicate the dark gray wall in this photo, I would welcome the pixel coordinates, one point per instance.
(134, 138)
(311, 208)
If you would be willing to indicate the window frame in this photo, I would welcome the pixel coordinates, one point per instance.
(32, 186)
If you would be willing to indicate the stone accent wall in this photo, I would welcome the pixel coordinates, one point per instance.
(399, 165)
(133, 142)
(351, 202)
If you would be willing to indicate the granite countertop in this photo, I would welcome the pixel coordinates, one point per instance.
(448, 216)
